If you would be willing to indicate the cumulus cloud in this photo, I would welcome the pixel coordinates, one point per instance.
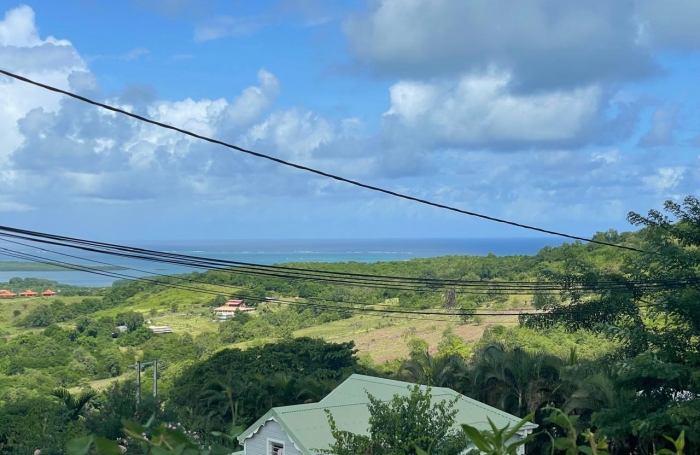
(295, 133)
(547, 44)
(58, 147)
(664, 180)
(481, 109)
(24, 52)
(435, 141)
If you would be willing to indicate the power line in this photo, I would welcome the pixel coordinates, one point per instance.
(356, 310)
(340, 278)
(312, 170)
(26, 256)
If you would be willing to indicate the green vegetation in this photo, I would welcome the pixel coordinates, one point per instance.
(401, 425)
(620, 363)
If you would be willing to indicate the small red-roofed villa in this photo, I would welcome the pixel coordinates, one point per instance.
(48, 293)
(232, 307)
(5, 294)
(28, 293)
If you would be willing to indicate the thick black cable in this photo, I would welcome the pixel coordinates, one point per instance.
(34, 258)
(491, 290)
(312, 170)
(26, 256)
(205, 264)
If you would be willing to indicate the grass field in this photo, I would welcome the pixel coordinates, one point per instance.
(24, 305)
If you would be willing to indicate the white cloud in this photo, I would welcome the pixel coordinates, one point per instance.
(546, 43)
(136, 53)
(479, 109)
(24, 52)
(294, 133)
(665, 179)
(70, 151)
(223, 26)
(253, 101)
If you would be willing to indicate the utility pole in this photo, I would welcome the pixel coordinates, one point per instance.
(138, 382)
(139, 365)
(155, 378)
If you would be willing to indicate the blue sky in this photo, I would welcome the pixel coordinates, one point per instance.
(555, 113)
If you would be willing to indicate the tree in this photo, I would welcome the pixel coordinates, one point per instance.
(654, 373)
(218, 301)
(74, 404)
(306, 360)
(402, 426)
(40, 316)
(131, 319)
(515, 380)
(436, 371)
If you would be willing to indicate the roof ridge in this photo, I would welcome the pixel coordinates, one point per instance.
(319, 405)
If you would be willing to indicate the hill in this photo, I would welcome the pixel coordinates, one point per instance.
(78, 328)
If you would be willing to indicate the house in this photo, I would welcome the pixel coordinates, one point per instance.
(304, 430)
(160, 329)
(5, 294)
(28, 293)
(48, 293)
(232, 307)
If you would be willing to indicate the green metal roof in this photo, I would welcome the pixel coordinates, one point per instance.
(307, 424)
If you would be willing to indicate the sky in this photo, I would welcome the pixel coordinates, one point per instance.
(561, 114)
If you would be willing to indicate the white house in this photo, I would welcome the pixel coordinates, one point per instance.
(304, 430)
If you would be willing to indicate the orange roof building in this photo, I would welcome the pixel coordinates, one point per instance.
(28, 293)
(48, 293)
(231, 307)
(4, 294)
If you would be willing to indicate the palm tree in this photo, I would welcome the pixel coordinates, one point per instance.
(515, 380)
(74, 404)
(285, 389)
(434, 371)
(219, 399)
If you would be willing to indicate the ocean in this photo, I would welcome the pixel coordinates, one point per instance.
(270, 252)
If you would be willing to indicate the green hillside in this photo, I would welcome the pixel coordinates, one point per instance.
(305, 336)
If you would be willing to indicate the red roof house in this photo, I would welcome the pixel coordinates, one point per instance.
(28, 293)
(4, 294)
(231, 307)
(48, 293)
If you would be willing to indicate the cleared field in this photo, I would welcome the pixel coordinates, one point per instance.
(164, 300)
(385, 338)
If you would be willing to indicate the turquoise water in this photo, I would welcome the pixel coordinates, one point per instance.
(279, 251)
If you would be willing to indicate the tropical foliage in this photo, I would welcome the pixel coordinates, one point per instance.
(620, 362)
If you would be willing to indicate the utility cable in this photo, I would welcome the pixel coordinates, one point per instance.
(312, 170)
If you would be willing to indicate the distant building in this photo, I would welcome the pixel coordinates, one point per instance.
(160, 329)
(232, 307)
(5, 294)
(122, 328)
(28, 293)
(48, 293)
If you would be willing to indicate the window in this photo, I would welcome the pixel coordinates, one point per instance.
(276, 448)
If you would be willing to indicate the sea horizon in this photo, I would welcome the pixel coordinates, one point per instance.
(278, 251)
